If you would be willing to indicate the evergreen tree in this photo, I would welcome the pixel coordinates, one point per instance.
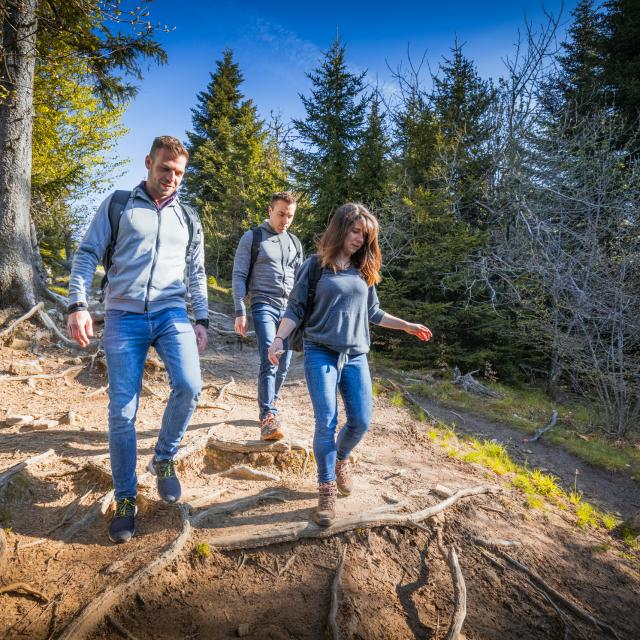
(371, 177)
(234, 166)
(328, 138)
(621, 46)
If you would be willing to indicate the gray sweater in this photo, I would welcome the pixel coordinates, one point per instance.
(273, 273)
(342, 309)
(148, 268)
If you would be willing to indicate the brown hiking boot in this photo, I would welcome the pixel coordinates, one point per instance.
(325, 514)
(343, 477)
(270, 428)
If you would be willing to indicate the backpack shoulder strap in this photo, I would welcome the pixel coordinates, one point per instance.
(296, 243)
(256, 239)
(195, 229)
(116, 206)
(315, 273)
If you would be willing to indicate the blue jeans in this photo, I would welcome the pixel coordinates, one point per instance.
(324, 379)
(127, 338)
(266, 319)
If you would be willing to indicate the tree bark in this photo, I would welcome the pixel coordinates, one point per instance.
(16, 124)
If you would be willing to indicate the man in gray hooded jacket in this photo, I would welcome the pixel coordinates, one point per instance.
(157, 238)
(267, 276)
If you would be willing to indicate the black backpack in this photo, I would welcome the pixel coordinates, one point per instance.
(116, 207)
(315, 272)
(255, 249)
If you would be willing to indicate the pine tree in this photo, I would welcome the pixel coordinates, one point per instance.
(371, 178)
(234, 166)
(621, 46)
(323, 162)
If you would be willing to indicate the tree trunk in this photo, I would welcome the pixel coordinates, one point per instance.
(16, 125)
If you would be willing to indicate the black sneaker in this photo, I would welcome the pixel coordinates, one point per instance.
(167, 480)
(123, 523)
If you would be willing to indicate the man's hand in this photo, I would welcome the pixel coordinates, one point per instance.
(201, 337)
(80, 327)
(241, 326)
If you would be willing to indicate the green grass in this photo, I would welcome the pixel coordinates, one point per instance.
(202, 551)
(528, 410)
(397, 399)
(219, 290)
(537, 487)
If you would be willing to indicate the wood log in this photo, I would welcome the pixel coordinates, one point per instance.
(26, 316)
(6, 475)
(470, 384)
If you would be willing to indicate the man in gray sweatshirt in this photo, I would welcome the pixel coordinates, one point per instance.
(265, 266)
(156, 239)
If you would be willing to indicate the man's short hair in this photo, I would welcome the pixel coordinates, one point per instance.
(171, 144)
(287, 196)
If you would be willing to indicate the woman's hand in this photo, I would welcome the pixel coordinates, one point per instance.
(419, 331)
(276, 350)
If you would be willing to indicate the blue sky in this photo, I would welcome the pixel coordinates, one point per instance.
(275, 43)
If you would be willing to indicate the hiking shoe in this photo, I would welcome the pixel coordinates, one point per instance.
(270, 428)
(166, 480)
(123, 523)
(325, 514)
(343, 477)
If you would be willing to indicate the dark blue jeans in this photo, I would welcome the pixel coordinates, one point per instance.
(266, 319)
(127, 338)
(324, 379)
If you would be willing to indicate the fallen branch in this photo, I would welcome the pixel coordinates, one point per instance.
(335, 586)
(563, 620)
(287, 564)
(205, 500)
(20, 466)
(97, 392)
(414, 401)
(84, 622)
(147, 389)
(551, 592)
(538, 434)
(223, 390)
(300, 530)
(43, 376)
(213, 405)
(495, 542)
(119, 628)
(26, 316)
(470, 384)
(22, 587)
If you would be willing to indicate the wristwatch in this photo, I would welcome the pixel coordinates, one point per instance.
(76, 306)
(204, 322)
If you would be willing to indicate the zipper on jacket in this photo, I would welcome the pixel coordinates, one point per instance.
(153, 263)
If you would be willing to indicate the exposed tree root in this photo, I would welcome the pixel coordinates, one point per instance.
(20, 466)
(69, 513)
(495, 542)
(51, 325)
(3, 548)
(26, 316)
(245, 472)
(223, 390)
(248, 446)
(556, 595)
(299, 530)
(538, 434)
(414, 401)
(23, 587)
(125, 633)
(335, 597)
(213, 405)
(97, 392)
(86, 520)
(86, 620)
(459, 589)
(241, 504)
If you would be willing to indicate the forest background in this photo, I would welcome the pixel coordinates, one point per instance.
(509, 209)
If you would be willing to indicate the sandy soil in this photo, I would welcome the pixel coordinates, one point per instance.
(395, 582)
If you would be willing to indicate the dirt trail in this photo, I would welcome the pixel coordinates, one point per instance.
(395, 583)
(609, 490)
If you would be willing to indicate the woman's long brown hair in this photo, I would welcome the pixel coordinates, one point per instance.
(367, 259)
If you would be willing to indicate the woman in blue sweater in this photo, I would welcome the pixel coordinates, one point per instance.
(336, 343)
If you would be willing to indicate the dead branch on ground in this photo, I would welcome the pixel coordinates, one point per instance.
(538, 434)
(245, 472)
(125, 633)
(248, 446)
(3, 548)
(69, 513)
(97, 392)
(470, 384)
(43, 376)
(6, 475)
(459, 589)
(241, 504)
